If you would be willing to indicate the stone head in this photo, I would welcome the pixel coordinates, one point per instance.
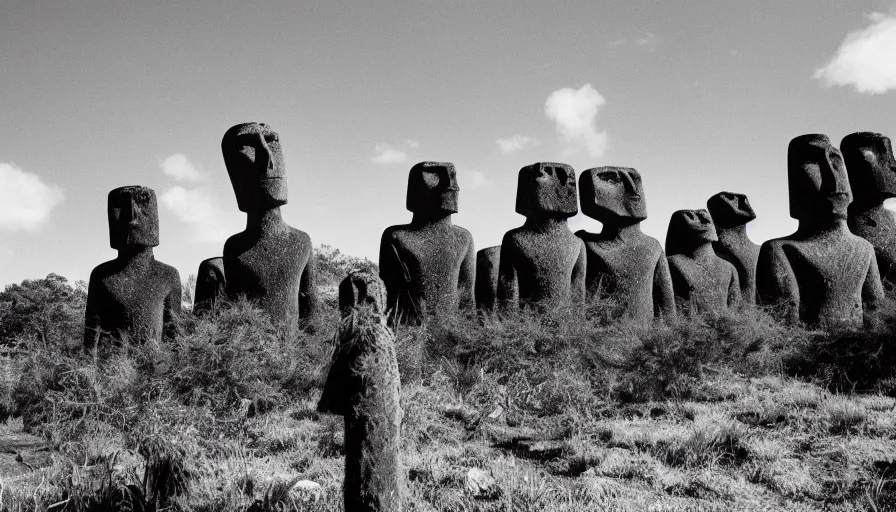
(547, 189)
(817, 180)
(432, 188)
(612, 194)
(689, 229)
(729, 209)
(254, 162)
(133, 217)
(870, 165)
(361, 288)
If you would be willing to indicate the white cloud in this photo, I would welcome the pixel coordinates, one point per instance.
(180, 168)
(387, 154)
(514, 143)
(647, 39)
(575, 113)
(25, 200)
(472, 179)
(196, 208)
(866, 59)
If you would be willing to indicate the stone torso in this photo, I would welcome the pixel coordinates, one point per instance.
(743, 254)
(268, 267)
(704, 284)
(487, 261)
(822, 276)
(624, 269)
(878, 226)
(136, 297)
(425, 268)
(546, 267)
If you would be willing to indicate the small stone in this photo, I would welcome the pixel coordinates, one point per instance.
(306, 490)
(481, 486)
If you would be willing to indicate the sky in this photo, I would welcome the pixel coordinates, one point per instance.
(699, 97)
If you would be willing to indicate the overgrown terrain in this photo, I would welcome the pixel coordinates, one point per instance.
(565, 412)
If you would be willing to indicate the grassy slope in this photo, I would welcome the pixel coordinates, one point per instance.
(733, 413)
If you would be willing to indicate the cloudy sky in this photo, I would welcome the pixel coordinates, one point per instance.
(699, 98)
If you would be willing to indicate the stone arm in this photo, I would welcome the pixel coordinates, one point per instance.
(308, 293)
(92, 315)
(578, 285)
(392, 272)
(172, 309)
(734, 294)
(872, 294)
(508, 292)
(679, 284)
(466, 282)
(663, 294)
(776, 282)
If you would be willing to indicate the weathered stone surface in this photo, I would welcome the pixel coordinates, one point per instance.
(822, 273)
(871, 167)
(270, 262)
(210, 285)
(730, 213)
(487, 263)
(429, 265)
(481, 486)
(542, 263)
(363, 386)
(703, 282)
(133, 294)
(623, 262)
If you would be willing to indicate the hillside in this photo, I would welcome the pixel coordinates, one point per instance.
(565, 412)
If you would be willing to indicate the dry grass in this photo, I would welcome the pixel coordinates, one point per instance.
(565, 413)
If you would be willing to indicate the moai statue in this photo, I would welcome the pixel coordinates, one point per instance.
(270, 262)
(871, 167)
(210, 285)
(487, 277)
(703, 282)
(623, 262)
(429, 265)
(730, 213)
(133, 294)
(822, 274)
(542, 262)
(363, 386)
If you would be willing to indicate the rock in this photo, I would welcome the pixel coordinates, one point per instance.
(487, 264)
(542, 263)
(703, 282)
(623, 262)
(306, 490)
(211, 286)
(731, 212)
(822, 274)
(133, 294)
(481, 486)
(429, 265)
(270, 262)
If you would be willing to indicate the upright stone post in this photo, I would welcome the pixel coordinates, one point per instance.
(363, 386)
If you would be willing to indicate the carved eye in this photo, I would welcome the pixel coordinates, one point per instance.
(610, 178)
(249, 151)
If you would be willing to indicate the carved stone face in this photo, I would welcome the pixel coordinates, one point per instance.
(133, 217)
(871, 166)
(729, 209)
(432, 188)
(689, 229)
(612, 194)
(819, 186)
(547, 188)
(254, 162)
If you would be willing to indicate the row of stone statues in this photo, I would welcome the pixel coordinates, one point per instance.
(821, 274)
